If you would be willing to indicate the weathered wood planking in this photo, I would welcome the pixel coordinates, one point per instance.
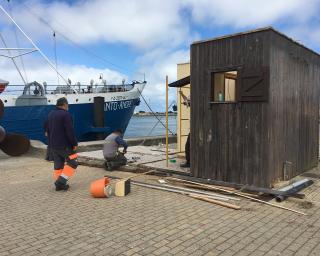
(248, 142)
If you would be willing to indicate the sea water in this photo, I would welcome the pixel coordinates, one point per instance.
(141, 126)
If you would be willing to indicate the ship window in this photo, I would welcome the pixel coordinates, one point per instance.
(223, 86)
(5, 101)
(90, 99)
(49, 100)
(77, 100)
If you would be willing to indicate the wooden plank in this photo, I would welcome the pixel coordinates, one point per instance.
(232, 187)
(213, 201)
(248, 197)
(174, 190)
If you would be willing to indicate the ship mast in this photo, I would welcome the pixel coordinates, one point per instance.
(13, 57)
(36, 48)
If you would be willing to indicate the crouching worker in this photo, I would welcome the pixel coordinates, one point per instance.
(113, 157)
(63, 143)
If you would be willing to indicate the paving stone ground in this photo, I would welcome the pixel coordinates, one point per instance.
(36, 220)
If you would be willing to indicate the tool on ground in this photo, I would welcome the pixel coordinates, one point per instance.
(241, 195)
(123, 187)
(12, 144)
(101, 188)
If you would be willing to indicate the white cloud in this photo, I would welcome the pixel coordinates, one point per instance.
(158, 64)
(251, 13)
(141, 24)
(150, 24)
(39, 71)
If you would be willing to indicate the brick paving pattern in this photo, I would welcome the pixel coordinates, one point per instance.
(36, 220)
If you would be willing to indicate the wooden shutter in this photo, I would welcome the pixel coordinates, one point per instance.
(253, 84)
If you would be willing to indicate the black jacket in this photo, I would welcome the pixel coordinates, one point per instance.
(59, 127)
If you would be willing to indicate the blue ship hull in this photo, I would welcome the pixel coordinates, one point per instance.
(29, 120)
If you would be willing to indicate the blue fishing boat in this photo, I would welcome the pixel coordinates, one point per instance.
(26, 113)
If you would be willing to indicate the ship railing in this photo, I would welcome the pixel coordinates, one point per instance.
(80, 89)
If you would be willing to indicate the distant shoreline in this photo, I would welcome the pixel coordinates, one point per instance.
(158, 114)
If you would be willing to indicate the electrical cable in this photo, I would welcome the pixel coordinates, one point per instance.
(89, 52)
(18, 44)
(154, 113)
(13, 60)
(155, 125)
(55, 55)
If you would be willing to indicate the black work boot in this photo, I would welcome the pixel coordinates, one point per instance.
(185, 165)
(61, 184)
(108, 166)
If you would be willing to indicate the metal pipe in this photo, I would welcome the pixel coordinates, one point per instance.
(239, 194)
(137, 183)
(201, 192)
(293, 188)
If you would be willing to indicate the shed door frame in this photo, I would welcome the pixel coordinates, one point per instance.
(220, 70)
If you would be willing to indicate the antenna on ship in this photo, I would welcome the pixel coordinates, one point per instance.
(55, 54)
(34, 45)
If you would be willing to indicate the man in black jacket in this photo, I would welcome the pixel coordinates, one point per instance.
(63, 142)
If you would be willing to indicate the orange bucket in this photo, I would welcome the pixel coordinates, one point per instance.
(97, 188)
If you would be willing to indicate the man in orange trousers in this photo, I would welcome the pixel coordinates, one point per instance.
(63, 142)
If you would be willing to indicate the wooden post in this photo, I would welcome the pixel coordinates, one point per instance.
(167, 123)
(180, 116)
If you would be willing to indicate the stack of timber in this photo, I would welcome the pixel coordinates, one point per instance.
(204, 196)
(235, 192)
(200, 191)
(210, 197)
(280, 195)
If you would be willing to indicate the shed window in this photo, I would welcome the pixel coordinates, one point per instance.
(223, 88)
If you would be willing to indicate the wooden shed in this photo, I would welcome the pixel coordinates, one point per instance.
(183, 118)
(254, 108)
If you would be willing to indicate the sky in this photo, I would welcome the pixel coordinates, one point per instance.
(137, 39)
